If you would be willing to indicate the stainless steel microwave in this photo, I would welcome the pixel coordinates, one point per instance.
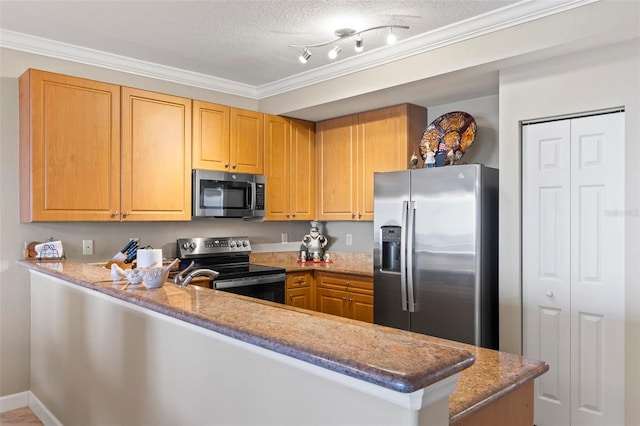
(223, 194)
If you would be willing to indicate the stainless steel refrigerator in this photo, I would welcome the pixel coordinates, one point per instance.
(436, 252)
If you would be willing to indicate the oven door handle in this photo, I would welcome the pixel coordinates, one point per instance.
(246, 281)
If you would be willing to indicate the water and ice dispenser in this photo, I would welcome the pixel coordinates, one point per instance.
(390, 248)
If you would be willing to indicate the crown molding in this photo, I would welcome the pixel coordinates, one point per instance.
(46, 47)
(519, 13)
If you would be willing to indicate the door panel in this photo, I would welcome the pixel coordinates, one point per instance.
(546, 264)
(445, 256)
(597, 279)
(390, 189)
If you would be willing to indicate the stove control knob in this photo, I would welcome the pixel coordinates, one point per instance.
(232, 244)
(245, 243)
(192, 246)
(185, 246)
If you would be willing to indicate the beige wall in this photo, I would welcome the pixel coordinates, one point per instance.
(589, 81)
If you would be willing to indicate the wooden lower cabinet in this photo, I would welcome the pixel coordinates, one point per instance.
(349, 296)
(300, 290)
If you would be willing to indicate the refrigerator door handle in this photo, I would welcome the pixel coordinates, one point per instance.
(410, 248)
(403, 255)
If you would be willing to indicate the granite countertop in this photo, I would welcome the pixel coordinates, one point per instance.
(345, 263)
(354, 348)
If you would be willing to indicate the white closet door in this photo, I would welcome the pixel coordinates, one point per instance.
(597, 270)
(546, 264)
(573, 267)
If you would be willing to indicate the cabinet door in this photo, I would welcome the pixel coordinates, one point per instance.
(156, 156)
(335, 149)
(302, 171)
(69, 148)
(210, 143)
(277, 166)
(360, 307)
(247, 147)
(300, 298)
(386, 139)
(332, 302)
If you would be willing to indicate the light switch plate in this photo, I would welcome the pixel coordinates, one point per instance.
(87, 247)
(285, 238)
(349, 239)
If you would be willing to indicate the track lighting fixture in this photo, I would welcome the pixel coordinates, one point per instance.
(333, 53)
(359, 44)
(304, 57)
(345, 33)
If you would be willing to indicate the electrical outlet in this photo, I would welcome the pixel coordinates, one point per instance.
(134, 239)
(285, 238)
(87, 247)
(349, 239)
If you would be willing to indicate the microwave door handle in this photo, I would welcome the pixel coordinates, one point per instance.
(403, 255)
(252, 196)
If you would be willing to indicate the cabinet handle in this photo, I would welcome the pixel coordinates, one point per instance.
(294, 215)
(359, 215)
(549, 293)
(346, 283)
(234, 166)
(226, 164)
(344, 299)
(350, 300)
(291, 297)
(114, 214)
(353, 215)
(125, 214)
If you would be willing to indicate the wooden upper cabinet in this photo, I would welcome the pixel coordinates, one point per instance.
(227, 139)
(246, 141)
(69, 148)
(336, 142)
(386, 140)
(156, 156)
(290, 168)
(277, 156)
(351, 149)
(93, 151)
(302, 170)
(210, 136)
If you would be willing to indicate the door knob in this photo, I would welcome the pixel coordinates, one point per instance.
(549, 293)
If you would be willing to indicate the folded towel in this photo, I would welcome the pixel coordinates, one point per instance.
(49, 249)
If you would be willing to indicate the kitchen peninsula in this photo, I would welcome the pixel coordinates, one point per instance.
(105, 354)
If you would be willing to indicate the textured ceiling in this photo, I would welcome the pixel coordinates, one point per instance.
(244, 41)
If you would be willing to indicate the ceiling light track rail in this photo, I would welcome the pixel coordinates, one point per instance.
(343, 34)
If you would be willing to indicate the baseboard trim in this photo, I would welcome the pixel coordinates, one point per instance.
(28, 399)
(16, 400)
(42, 411)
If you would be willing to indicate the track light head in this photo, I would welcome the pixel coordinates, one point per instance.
(359, 44)
(304, 57)
(391, 38)
(333, 53)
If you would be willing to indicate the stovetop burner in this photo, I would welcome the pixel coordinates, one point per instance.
(229, 256)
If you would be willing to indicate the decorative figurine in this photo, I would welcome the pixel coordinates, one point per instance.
(315, 243)
(431, 159)
(413, 160)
